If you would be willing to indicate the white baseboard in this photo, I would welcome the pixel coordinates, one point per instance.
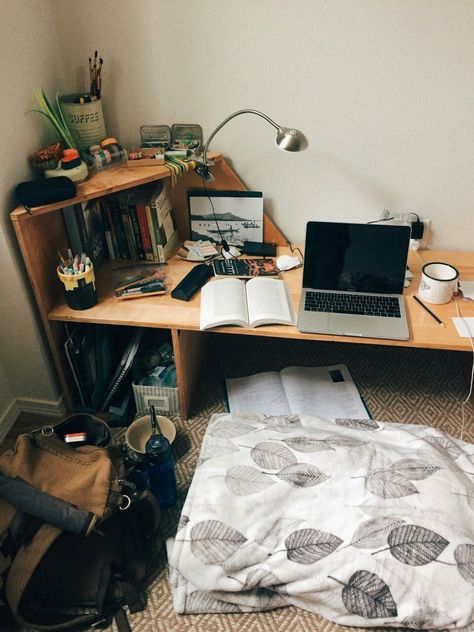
(32, 407)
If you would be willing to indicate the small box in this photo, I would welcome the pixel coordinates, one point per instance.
(146, 157)
(165, 399)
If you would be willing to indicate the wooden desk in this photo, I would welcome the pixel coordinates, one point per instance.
(182, 318)
(42, 234)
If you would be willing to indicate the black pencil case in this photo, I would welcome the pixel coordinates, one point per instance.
(45, 191)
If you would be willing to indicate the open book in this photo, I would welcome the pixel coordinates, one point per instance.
(327, 391)
(251, 303)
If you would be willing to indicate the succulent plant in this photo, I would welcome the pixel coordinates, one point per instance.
(55, 116)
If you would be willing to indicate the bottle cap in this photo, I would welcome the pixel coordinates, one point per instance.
(108, 141)
(70, 159)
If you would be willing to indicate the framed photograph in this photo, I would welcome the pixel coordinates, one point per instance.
(235, 216)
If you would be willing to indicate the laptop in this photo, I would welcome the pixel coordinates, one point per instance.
(353, 280)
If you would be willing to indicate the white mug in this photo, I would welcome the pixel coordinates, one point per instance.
(438, 282)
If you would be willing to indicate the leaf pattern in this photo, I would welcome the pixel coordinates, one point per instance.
(215, 448)
(446, 446)
(427, 618)
(389, 484)
(282, 420)
(261, 577)
(414, 469)
(243, 480)
(284, 546)
(220, 428)
(302, 475)
(272, 456)
(358, 424)
(307, 444)
(464, 556)
(368, 596)
(212, 541)
(308, 546)
(344, 442)
(249, 554)
(415, 545)
(272, 533)
(373, 533)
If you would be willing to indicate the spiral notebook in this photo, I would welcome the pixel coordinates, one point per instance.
(124, 366)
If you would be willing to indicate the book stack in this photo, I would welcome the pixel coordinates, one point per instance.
(137, 224)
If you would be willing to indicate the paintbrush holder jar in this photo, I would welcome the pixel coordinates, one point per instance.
(85, 119)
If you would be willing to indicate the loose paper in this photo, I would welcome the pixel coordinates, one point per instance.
(465, 326)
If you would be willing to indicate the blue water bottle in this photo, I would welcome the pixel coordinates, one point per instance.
(160, 465)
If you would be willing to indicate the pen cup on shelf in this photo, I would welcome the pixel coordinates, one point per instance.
(79, 289)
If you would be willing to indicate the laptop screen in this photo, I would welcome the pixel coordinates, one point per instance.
(356, 257)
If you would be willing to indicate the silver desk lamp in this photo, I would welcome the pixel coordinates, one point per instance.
(287, 138)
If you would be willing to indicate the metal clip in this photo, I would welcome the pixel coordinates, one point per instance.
(128, 502)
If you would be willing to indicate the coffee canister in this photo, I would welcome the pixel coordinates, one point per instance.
(84, 119)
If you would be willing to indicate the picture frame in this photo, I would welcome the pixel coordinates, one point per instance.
(235, 216)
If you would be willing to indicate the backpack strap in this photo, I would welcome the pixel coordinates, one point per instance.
(21, 571)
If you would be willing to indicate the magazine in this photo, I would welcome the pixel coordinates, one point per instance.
(245, 268)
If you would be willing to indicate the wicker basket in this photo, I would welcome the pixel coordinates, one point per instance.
(47, 157)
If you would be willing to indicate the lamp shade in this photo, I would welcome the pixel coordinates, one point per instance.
(290, 139)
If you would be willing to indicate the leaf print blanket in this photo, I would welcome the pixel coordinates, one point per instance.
(364, 522)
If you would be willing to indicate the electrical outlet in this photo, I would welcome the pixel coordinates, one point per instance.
(426, 233)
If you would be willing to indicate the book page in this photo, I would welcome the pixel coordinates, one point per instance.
(327, 391)
(269, 302)
(261, 393)
(223, 302)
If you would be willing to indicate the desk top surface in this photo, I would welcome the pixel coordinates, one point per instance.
(168, 313)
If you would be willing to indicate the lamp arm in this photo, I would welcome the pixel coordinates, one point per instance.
(231, 116)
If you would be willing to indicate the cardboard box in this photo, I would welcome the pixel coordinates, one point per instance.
(146, 157)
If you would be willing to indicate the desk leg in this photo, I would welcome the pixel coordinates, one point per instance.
(189, 358)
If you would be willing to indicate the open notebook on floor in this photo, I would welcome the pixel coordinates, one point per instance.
(353, 280)
(325, 391)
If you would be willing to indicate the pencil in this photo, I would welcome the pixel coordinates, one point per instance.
(429, 311)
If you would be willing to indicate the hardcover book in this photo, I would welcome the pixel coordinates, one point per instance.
(163, 232)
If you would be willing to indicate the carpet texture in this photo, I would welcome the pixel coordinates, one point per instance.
(400, 385)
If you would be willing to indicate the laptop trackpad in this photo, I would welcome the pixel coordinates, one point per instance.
(351, 325)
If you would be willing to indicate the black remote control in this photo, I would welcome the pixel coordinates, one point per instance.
(192, 282)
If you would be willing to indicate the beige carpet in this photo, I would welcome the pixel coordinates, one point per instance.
(411, 386)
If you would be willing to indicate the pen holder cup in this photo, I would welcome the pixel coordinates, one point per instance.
(79, 289)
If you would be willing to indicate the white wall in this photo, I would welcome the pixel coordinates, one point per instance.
(383, 89)
(30, 54)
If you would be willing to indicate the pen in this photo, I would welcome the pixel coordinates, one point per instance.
(429, 311)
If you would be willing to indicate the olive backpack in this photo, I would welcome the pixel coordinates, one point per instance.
(78, 541)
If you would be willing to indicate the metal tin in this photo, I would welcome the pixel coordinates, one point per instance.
(155, 136)
(186, 136)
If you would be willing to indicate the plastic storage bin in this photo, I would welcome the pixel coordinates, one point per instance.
(165, 399)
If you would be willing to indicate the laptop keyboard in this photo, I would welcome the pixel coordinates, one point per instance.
(345, 303)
